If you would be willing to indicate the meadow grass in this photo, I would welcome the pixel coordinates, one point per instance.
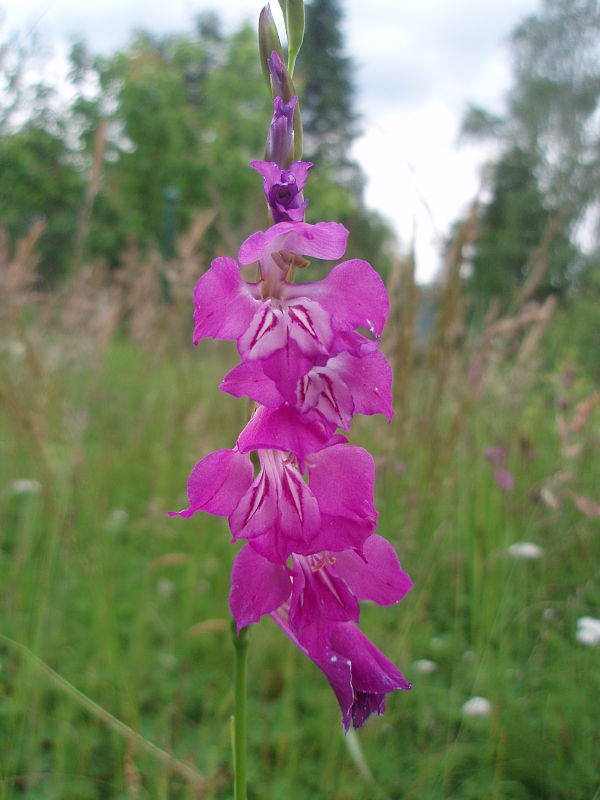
(131, 607)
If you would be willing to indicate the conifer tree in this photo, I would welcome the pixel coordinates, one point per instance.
(329, 119)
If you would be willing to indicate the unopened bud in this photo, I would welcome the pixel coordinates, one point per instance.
(281, 81)
(268, 42)
(281, 133)
(283, 86)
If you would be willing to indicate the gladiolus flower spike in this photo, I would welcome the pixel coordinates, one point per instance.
(310, 360)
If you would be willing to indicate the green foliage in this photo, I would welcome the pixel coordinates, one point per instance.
(512, 225)
(39, 181)
(186, 114)
(574, 335)
(112, 594)
(177, 104)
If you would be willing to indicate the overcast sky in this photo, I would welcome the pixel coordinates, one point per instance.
(419, 63)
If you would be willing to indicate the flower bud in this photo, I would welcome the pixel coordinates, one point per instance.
(268, 42)
(281, 81)
(283, 86)
(281, 133)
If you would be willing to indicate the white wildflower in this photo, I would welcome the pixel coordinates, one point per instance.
(425, 666)
(117, 519)
(477, 707)
(588, 631)
(165, 588)
(525, 551)
(25, 486)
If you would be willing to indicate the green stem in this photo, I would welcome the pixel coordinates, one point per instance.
(240, 644)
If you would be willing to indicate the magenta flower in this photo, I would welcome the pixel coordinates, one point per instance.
(283, 189)
(291, 328)
(276, 511)
(315, 602)
(310, 360)
(332, 393)
(496, 454)
(503, 478)
(321, 586)
(359, 674)
(292, 488)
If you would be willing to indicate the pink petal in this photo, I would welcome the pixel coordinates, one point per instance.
(369, 380)
(318, 594)
(217, 483)
(288, 341)
(377, 576)
(309, 326)
(258, 587)
(299, 170)
(283, 429)
(264, 334)
(353, 294)
(272, 172)
(359, 674)
(248, 379)
(323, 392)
(342, 478)
(278, 515)
(325, 240)
(268, 169)
(373, 675)
(224, 303)
(286, 366)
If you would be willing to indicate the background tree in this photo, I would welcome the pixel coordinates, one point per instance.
(331, 125)
(327, 74)
(512, 225)
(548, 170)
(158, 130)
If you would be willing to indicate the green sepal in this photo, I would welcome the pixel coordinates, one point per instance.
(295, 30)
(297, 123)
(284, 12)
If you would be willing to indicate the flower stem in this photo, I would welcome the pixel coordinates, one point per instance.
(240, 644)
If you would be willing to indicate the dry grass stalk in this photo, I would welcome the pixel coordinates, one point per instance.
(539, 260)
(533, 339)
(92, 188)
(18, 275)
(583, 411)
(449, 325)
(404, 303)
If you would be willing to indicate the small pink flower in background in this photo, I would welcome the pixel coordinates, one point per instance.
(496, 454)
(503, 478)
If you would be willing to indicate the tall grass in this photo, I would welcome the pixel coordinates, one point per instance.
(105, 414)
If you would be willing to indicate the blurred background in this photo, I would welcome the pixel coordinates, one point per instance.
(459, 143)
